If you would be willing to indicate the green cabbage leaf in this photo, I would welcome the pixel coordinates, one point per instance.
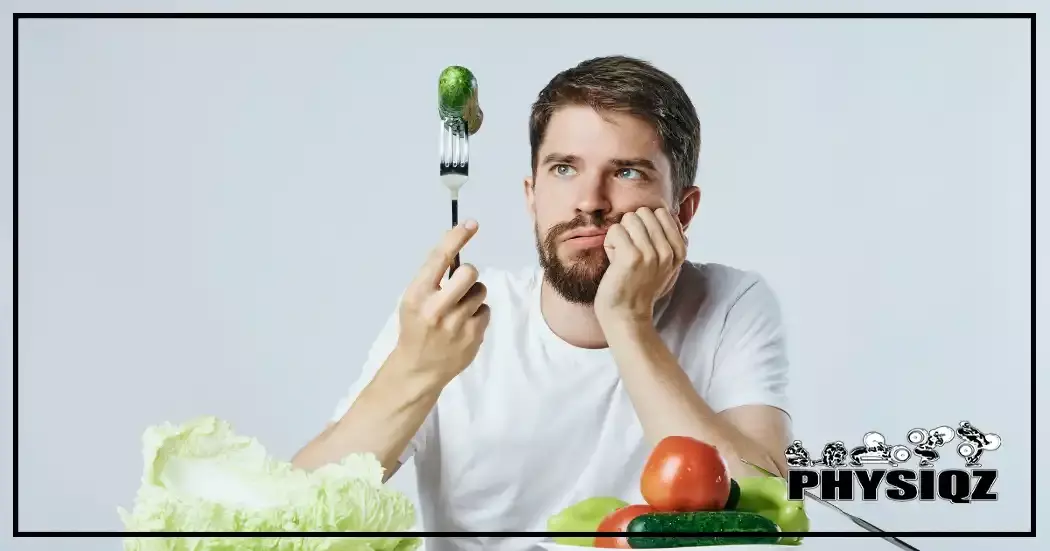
(202, 477)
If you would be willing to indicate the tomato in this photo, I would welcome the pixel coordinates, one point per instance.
(617, 521)
(684, 474)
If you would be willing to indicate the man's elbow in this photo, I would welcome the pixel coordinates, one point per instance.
(779, 464)
(764, 461)
(306, 457)
(302, 459)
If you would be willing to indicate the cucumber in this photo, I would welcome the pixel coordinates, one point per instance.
(765, 530)
(458, 99)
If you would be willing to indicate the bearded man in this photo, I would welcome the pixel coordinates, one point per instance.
(518, 394)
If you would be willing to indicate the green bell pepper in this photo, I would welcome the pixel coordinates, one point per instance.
(767, 496)
(584, 516)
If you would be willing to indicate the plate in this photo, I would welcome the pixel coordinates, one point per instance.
(551, 546)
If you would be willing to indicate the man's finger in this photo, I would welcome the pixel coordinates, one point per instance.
(462, 281)
(658, 235)
(441, 257)
(635, 226)
(618, 246)
(479, 321)
(674, 233)
(469, 304)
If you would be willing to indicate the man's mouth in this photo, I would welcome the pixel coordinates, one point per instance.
(587, 239)
(587, 234)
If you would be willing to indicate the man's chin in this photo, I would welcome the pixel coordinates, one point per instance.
(577, 282)
(574, 290)
(586, 271)
(587, 259)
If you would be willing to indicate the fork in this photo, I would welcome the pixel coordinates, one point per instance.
(856, 520)
(454, 166)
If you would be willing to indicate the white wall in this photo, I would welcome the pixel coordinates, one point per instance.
(216, 216)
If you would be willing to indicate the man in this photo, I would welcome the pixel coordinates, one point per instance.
(519, 394)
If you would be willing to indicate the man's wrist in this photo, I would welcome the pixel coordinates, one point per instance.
(626, 329)
(622, 318)
(418, 382)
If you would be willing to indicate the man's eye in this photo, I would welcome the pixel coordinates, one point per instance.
(564, 170)
(630, 174)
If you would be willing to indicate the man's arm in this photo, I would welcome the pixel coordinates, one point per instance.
(383, 420)
(668, 405)
(742, 416)
(646, 250)
(433, 336)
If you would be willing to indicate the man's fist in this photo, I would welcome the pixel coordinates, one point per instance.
(646, 250)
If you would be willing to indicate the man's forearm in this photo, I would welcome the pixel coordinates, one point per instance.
(666, 402)
(384, 418)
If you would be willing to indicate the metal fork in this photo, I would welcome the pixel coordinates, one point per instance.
(856, 520)
(454, 166)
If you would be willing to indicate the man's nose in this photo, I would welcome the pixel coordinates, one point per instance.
(592, 195)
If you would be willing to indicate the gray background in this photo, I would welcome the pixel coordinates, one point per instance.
(216, 217)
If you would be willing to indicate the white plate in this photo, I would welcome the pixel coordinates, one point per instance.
(551, 546)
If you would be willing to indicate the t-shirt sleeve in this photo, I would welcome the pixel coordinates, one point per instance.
(377, 355)
(750, 363)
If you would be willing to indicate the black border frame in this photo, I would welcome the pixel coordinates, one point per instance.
(517, 15)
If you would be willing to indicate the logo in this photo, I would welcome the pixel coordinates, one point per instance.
(839, 471)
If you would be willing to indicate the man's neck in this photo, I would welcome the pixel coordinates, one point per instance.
(575, 324)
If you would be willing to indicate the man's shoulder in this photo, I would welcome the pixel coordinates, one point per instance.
(717, 284)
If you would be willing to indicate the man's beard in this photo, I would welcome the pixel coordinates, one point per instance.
(576, 281)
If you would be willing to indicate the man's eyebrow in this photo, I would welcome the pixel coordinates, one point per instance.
(560, 158)
(629, 163)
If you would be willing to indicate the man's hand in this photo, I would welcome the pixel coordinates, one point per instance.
(439, 334)
(441, 329)
(646, 250)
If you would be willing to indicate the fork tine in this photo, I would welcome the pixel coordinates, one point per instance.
(451, 146)
(466, 149)
(441, 142)
(456, 147)
(460, 149)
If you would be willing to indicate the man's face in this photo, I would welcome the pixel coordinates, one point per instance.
(591, 169)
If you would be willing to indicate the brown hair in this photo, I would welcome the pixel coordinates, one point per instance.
(625, 84)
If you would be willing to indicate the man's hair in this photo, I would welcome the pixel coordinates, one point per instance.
(627, 85)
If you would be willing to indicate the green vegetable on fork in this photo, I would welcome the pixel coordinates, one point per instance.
(458, 99)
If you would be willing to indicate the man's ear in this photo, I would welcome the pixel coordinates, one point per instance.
(688, 205)
(530, 197)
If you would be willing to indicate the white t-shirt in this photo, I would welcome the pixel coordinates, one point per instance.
(535, 424)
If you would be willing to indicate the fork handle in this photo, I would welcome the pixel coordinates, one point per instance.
(455, 221)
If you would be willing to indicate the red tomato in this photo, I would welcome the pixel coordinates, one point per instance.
(684, 474)
(617, 521)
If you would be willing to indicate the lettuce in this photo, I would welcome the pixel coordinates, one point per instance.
(201, 477)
